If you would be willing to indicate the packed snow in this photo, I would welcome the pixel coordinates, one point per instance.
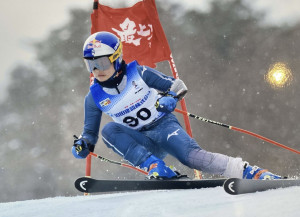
(171, 203)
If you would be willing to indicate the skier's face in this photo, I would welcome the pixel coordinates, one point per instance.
(104, 75)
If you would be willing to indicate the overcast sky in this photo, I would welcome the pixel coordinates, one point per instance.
(22, 21)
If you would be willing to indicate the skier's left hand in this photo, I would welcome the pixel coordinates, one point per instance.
(167, 103)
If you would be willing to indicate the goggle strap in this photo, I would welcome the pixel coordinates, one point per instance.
(116, 54)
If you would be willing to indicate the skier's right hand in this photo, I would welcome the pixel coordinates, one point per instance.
(167, 103)
(81, 148)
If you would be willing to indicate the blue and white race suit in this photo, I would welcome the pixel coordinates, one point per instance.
(139, 130)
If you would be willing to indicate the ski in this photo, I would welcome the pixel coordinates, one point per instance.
(89, 185)
(237, 186)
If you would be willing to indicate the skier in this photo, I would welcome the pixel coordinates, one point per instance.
(144, 130)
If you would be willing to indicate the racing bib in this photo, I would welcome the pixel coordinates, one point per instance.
(134, 107)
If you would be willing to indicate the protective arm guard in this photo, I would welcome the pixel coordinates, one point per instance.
(179, 88)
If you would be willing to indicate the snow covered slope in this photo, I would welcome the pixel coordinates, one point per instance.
(175, 203)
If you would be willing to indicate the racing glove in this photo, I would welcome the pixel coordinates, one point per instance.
(81, 148)
(167, 103)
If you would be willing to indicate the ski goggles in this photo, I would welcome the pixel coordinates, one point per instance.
(101, 63)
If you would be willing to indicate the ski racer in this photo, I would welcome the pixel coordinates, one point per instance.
(144, 130)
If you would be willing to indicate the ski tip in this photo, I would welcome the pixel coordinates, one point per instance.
(81, 184)
(230, 186)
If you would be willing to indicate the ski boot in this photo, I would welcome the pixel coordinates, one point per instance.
(157, 169)
(254, 172)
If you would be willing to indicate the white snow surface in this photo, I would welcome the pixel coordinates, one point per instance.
(171, 203)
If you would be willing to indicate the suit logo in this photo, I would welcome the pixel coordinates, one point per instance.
(173, 134)
(105, 102)
(136, 86)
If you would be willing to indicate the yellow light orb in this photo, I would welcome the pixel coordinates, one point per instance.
(279, 75)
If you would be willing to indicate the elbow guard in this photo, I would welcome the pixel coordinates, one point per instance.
(179, 88)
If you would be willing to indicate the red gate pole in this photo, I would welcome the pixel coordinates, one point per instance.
(182, 102)
(88, 166)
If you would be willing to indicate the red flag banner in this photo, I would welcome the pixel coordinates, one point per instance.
(139, 29)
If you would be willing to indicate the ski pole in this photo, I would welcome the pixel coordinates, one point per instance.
(114, 162)
(237, 129)
(118, 163)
